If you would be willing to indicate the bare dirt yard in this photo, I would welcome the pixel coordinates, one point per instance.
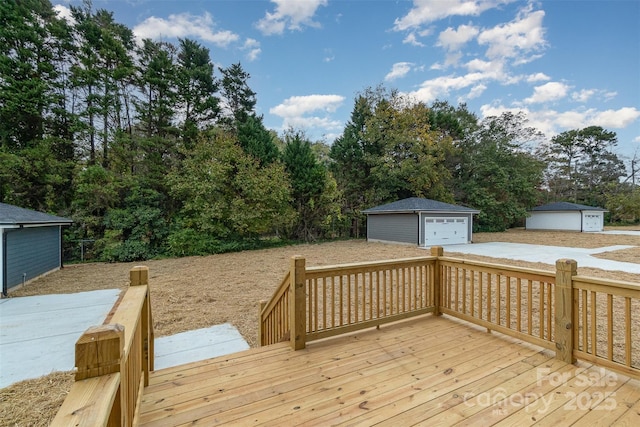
(196, 292)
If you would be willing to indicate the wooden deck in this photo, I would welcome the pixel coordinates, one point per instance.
(424, 371)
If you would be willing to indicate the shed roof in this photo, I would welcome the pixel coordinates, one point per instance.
(14, 215)
(417, 204)
(566, 206)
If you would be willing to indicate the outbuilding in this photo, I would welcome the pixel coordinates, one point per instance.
(566, 216)
(422, 222)
(31, 244)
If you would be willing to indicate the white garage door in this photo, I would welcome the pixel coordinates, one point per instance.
(445, 231)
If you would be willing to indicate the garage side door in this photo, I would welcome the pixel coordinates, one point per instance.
(592, 222)
(32, 252)
(445, 231)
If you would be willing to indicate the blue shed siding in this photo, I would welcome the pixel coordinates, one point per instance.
(393, 228)
(32, 251)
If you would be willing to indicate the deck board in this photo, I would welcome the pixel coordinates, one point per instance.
(423, 371)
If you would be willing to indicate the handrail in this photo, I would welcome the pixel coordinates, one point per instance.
(502, 269)
(277, 295)
(274, 315)
(313, 272)
(113, 363)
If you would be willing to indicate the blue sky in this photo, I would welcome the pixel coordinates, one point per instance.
(567, 64)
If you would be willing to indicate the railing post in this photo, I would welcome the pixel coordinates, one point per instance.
(563, 301)
(261, 306)
(297, 303)
(139, 276)
(437, 251)
(99, 351)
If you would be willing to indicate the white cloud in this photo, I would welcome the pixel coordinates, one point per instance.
(484, 66)
(552, 122)
(299, 105)
(253, 48)
(291, 15)
(542, 121)
(476, 91)
(310, 112)
(430, 90)
(452, 59)
(616, 119)
(516, 39)
(412, 40)
(427, 11)
(398, 70)
(548, 92)
(564, 120)
(537, 77)
(184, 25)
(328, 55)
(64, 13)
(312, 122)
(453, 39)
(583, 96)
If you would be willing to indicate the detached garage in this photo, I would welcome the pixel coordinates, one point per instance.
(566, 216)
(31, 244)
(422, 222)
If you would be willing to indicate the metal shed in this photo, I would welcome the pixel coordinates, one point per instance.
(422, 222)
(31, 244)
(566, 216)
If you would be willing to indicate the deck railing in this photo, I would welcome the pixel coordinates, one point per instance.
(348, 297)
(274, 325)
(113, 363)
(607, 323)
(577, 317)
(514, 301)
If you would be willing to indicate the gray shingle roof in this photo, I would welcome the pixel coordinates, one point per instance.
(13, 215)
(566, 206)
(415, 204)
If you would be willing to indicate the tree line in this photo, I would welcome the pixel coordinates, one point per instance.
(153, 151)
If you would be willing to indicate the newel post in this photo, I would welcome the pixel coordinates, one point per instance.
(139, 276)
(563, 300)
(99, 351)
(437, 251)
(297, 303)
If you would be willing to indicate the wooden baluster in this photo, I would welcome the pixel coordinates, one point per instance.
(261, 334)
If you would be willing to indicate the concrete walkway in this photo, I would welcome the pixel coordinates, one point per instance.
(199, 344)
(38, 335)
(547, 254)
(627, 232)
